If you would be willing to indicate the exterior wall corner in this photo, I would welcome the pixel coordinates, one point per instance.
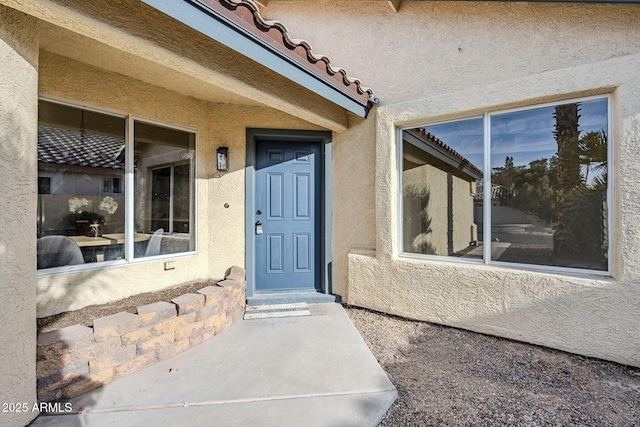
(18, 132)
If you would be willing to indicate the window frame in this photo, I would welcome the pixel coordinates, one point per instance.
(486, 258)
(127, 185)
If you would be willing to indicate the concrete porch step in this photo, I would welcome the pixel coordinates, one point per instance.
(290, 298)
(267, 311)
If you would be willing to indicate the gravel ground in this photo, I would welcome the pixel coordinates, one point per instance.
(452, 377)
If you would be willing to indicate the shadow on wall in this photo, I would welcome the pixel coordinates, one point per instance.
(417, 196)
(56, 382)
(587, 316)
(61, 297)
(62, 374)
(577, 320)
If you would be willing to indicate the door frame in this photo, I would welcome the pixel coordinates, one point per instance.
(323, 138)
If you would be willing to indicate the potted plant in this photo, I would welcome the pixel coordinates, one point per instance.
(86, 223)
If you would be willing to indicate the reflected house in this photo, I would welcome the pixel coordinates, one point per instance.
(81, 181)
(77, 164)
(164, 173)
(439, 186)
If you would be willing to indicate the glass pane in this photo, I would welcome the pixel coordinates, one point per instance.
(549, 186)
(160, 198)
(441, 172)
(78, 151)
(164, 190)
(181, 199)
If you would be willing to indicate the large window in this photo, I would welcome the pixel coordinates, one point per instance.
(105, 196)
(526, 187)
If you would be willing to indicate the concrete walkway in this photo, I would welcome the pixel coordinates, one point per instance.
(294, 371)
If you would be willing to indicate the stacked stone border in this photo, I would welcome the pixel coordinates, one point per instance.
(76, 359)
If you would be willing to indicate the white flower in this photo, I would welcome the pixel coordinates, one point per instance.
(76, 204)
(108, 205)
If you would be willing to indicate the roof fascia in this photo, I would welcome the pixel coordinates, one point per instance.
(455, 163)
(218, 28)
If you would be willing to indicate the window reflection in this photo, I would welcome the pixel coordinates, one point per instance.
(164, 182)
(81, 187)
(547, 189)
(549, 185)
(78, 151)
(441, 167)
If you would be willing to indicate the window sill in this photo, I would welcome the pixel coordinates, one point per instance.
(81, 268)
(533, 268)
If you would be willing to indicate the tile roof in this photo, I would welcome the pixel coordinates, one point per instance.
(245, 14)
(441, 147)
(74, 147)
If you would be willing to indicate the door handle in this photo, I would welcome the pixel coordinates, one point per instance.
(258, 227)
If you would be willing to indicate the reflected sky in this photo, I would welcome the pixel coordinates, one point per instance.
(464, 136)
(524, 135)
(528, 135)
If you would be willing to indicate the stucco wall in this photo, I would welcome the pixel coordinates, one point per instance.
(581, 314)
(354, 208)
(437, 61)
(18, 109)
(450, 210)
(437, 47)
(220, 230)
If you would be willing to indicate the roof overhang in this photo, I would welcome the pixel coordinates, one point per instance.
(440, 151)
(221, 26)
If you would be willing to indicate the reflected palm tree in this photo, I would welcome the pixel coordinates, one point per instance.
(421, 241)
(593, 156)
(581, 237)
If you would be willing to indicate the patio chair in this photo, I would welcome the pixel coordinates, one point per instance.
(58, 251)
(153, 247)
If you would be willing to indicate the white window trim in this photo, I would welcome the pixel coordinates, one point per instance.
(131, 224)
(128, 184)
(487, 195)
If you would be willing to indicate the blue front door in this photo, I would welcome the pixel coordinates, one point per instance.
(287, 216)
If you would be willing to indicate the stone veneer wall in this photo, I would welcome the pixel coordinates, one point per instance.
(76, 359)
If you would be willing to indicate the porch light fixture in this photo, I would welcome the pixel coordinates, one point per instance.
(222, 159)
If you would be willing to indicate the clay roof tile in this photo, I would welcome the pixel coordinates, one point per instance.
(246, 14)
(79, 148)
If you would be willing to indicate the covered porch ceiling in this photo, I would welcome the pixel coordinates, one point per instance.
(182, 53)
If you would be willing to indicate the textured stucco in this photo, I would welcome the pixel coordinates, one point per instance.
(436, 61)
(220, 230)
(18, 109)
(353, 187)
(436, 47)
(581, 314)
